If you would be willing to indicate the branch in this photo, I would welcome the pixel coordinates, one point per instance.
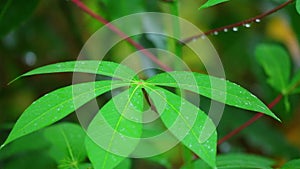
(84, 8)
(249, 122)
(235, 26)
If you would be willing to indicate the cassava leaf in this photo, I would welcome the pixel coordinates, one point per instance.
(276, 63)
(58, 104)
(235, 161)
(85, 66)
(14, 12)
(214, 88)
(67, 144)
(210, 3)
(293, 164)
(115, 131)
(298, 6)
(186, 122)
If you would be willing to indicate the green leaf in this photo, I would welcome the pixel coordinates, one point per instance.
(115, 131)
(67, 144)
(293, 164)
(56, 105)
(125, 164)
(235, 161)
(210, 3)
(13, 12)
(214, 88)
(85, 66)
(294, 86)
(186, 122)
(298, 6)
(276, 63)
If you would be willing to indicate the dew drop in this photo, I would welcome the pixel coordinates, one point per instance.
(216, 33)
(247, 25)
(257, 20)
(235, 29)
(225, 30)
(194, 39)
(202, 36)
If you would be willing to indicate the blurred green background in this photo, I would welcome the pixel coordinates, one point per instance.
(35, 33)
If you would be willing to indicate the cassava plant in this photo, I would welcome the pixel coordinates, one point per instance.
(115, 133)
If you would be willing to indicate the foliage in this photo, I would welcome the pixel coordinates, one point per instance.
(60, 142)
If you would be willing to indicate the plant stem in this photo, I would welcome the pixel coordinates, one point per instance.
(84, 8)
(249, 122)
(257, 18)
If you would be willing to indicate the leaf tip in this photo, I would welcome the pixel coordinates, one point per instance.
(1, 147)
(9, 83)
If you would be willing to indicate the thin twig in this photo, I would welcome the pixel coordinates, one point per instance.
(235, 26)
(113, 28)
(249, 122)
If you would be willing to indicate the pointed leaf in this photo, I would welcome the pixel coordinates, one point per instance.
(214, 88)
(186, 122)
(58, 104)
(85, 66)
(115, 131)
(293, 164)
(276, 63)
(67, 144)
(210, 3)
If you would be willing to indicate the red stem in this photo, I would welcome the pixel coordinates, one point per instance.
(238, 24)
(249, 122)
(84, 8)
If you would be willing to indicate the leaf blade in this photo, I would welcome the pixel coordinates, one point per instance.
(85, 66)
(211, 3)
(221, 90)
(56, 105)
(190, 122)
(67, 146)
(275, 61)
(118, 130)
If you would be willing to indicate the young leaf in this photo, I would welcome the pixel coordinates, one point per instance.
(85, 66)
(276, 63)
(298, 6)
(210, 3)
(115, 131)
(293, 164)
(67, 144)
(214, 88)
(58, 104)
(186, 122)
(14, 12)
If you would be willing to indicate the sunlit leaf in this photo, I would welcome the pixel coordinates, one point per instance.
(186, 122)
(85, 66)
(14, 12)
(293, 164)
(67, 144)
(235, 161)
(214, 88)
(58, 104)
(210, 3)
(116, 130)
(276, 63)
